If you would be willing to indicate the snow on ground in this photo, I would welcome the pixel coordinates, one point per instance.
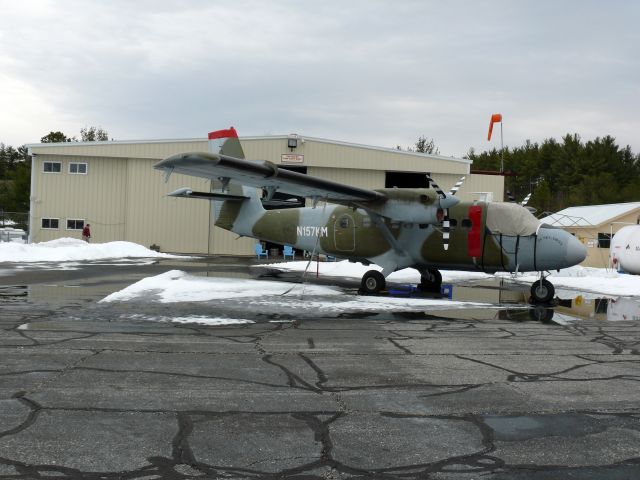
(177, 286)
(596, 280)
(203, 320)
(591, 280)
(71, 249)
(267, 295)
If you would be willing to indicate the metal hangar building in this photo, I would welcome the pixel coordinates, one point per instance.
(113, 186)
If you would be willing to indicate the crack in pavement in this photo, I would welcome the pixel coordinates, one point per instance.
(398, 415)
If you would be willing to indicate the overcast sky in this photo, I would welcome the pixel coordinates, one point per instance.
(374, 72)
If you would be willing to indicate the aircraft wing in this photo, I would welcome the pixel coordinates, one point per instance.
(264, 174)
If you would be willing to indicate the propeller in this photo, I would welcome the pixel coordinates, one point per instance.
(523, 202)
(446, 201)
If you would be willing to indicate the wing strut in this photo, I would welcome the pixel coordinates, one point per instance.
(377, 219)
(167, 174)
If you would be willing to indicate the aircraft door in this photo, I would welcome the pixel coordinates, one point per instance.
(344, 233)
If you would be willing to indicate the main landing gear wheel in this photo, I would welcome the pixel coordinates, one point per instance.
(430, 280)
(541, 313)
(372, 282)
(542, 291)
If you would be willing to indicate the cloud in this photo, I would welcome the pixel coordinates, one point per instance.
(362, 71)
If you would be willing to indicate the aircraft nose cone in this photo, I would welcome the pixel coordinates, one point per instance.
(576, 251)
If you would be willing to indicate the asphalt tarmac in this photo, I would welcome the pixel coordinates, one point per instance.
(101, 391)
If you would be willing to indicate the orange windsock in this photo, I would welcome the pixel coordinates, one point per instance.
(495, 118)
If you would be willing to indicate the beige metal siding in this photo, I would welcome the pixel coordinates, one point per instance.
(224, 242)
(473, 186)
(97, 197)
(175, 224)
(596, 256)
(325, 154)
(358, 178)
(122, 199)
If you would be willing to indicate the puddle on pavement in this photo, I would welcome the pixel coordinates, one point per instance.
(508, 301)
(13, 293)
(518, 428)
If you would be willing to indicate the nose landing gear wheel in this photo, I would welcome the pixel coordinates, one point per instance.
(372, 282)
(542, 291)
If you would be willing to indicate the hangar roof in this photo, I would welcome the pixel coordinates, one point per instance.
(42, 147)
(359, 145)
(590, 215)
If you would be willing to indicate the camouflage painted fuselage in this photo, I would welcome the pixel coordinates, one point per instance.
(352, 233)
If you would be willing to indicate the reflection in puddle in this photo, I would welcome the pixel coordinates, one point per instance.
(610, 309)
(13, 293)
(505, 300)
(496, 291)
(491, 290)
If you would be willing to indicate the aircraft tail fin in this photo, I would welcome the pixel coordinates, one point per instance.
(231, 214)
(225, 142)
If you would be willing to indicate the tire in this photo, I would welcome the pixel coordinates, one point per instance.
(430, 280)
(542, 291)
(541, 313)
(372, 282)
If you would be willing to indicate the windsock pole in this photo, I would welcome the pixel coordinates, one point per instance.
(501, 149)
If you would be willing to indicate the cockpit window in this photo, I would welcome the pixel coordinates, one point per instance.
(510, 219)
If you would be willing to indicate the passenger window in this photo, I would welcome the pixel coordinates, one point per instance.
(467, 223)
(344, 222)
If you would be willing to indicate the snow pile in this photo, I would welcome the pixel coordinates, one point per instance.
(177, 286)
(71, 249)
(265, 295)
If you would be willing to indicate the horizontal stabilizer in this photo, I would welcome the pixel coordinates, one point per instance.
(292, 202)
(188, 193)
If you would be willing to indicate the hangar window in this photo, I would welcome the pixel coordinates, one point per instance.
(77, 168)
(75, 224)
(50, 223)
(52, 167)
(604, 240)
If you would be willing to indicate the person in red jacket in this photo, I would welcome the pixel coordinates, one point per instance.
(86, 233)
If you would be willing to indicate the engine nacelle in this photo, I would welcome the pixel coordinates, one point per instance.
(419, 205)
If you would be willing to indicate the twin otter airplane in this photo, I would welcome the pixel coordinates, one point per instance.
(395, 228)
